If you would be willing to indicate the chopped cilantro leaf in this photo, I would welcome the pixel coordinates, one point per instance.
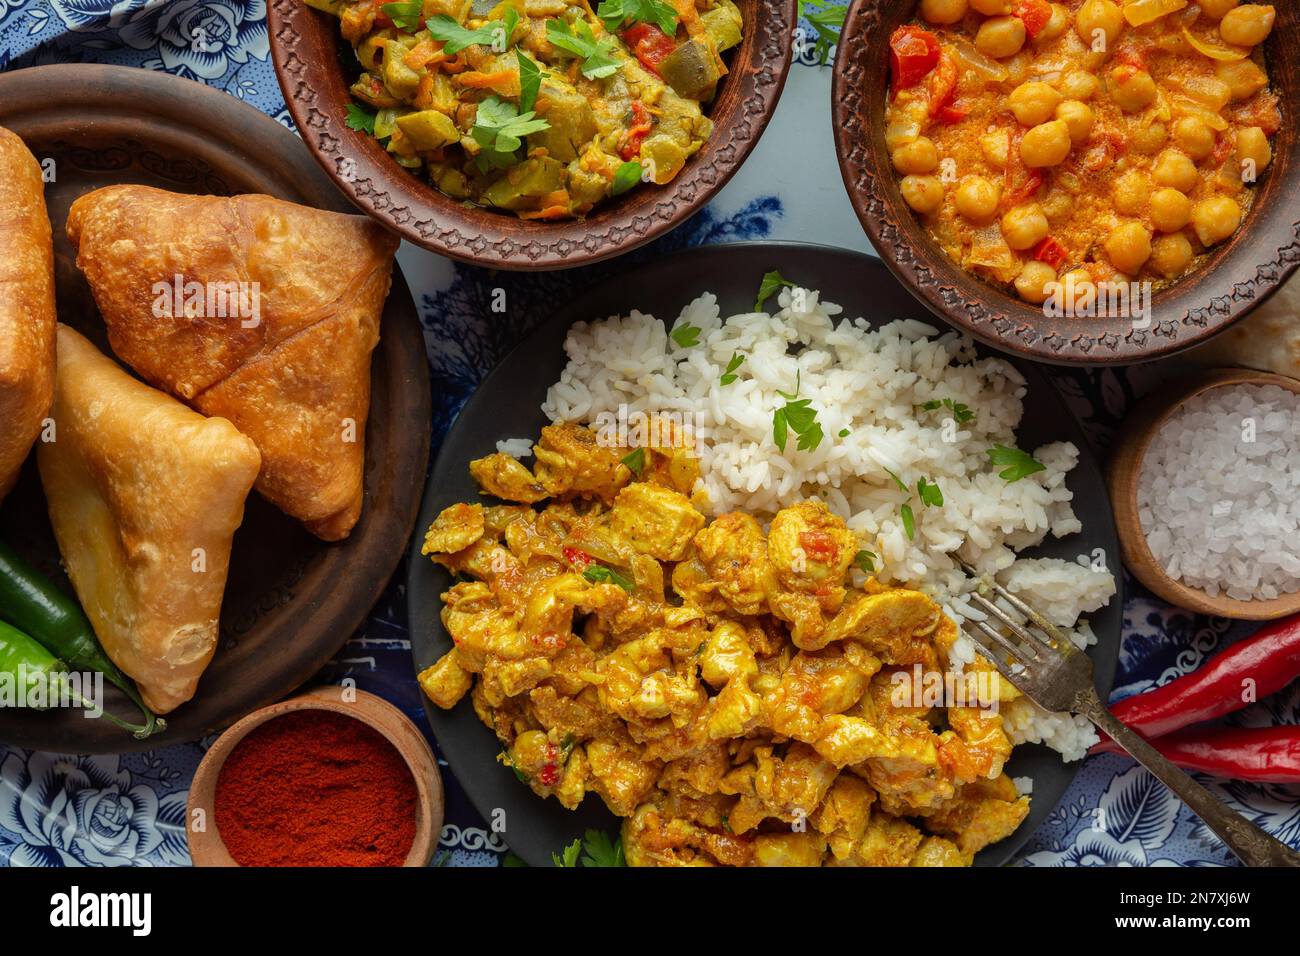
(596, 55)
(625, 177)
(729, 375)
(597, 574)
(456, 37)
(1015, 463)
(635, 461)
(360, 119)
(930, 494)
(771, 282)
(686, 335)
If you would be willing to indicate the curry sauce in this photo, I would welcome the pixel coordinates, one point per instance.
(720, 686)
(1081, 142)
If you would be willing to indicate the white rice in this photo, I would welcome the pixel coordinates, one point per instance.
(872, 383)
(1219, 492)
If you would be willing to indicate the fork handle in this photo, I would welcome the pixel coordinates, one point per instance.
(1252, 845)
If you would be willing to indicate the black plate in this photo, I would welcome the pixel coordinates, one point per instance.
(507, 405)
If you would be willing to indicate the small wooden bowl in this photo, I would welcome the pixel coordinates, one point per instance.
(305, 45)
(1236, 277)
(206, 846)
(1122, 475)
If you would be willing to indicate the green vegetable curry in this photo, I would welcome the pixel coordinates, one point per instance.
(543, 108)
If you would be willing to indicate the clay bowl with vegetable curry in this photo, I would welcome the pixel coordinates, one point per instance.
(1079, 182)
(531, 134)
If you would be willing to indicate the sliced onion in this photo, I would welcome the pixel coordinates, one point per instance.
(989, 249)
(972, 59)
(1215, 48)
(1210, 91)
(1190, 107)
(901, 132)
(1139, 12)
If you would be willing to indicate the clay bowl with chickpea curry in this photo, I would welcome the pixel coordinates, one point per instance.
(531, 134)
(1082, 182)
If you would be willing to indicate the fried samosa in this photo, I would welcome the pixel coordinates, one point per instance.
(26, 306)
(144, 495)
(254, 309)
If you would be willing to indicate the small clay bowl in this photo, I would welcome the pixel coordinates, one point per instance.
(1236, 277)
(1122, 475)
(305, 46)
(206, 847)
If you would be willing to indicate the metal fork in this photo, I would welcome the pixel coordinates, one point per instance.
(1051, 671)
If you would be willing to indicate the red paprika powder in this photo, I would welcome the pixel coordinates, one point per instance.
(316, 788)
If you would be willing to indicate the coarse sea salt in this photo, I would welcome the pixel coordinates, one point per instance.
(1219, 492)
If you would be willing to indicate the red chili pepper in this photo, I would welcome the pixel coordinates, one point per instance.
(1270, 658)
(1051, 252)
(650, 44)
(1035, 13)
(913, 53)
(1258, 754)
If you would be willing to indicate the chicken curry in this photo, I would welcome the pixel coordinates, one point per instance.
(541, 108)
(723, 688)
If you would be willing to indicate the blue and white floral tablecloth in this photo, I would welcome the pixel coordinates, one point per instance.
(129, 810)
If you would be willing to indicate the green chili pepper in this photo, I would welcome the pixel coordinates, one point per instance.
(36, 607)
(44, 674)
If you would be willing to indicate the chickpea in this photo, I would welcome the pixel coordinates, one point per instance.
(1033, 281)
(1046, 145)
(918, 156)
(1056, 26)
(991, 8)
(1001, 37)
(1215, 9)
(1079, 85)
(1148, 139)
(1247, 26)
(1252, 146)
(1033, 102)
(1175, 169)
(1132, 89)
(1215, 219)
(1171, 255)
(923, 193)
(994, 147)
(943, 11)
(1025, 226)
(1079, 118)
(1078, 283)
(1244, 78)
(1170, 209)
(1129, 247)
(1100, 15)
(977, 198)
(1131, 193)
(1194, 137)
